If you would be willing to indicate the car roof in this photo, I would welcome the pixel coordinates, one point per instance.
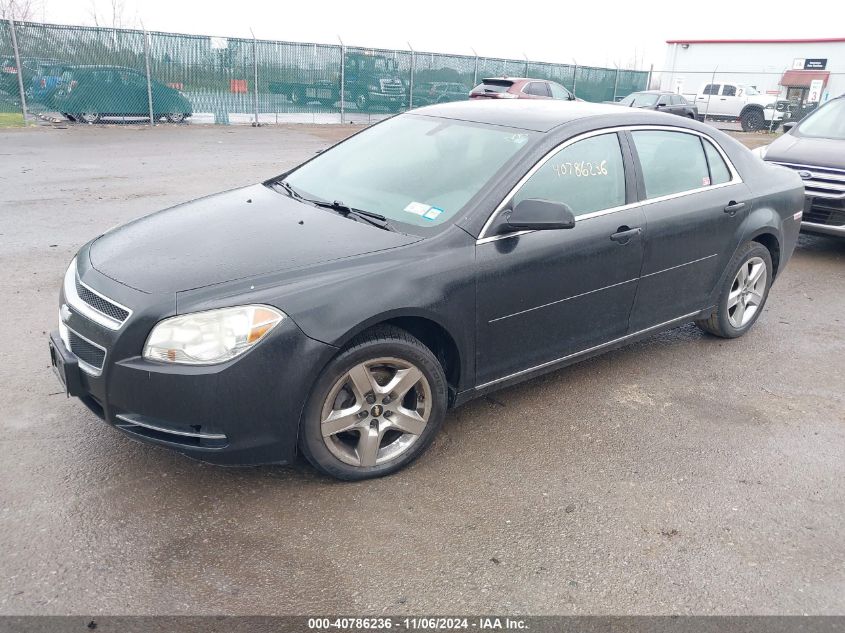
(102, 67)
(541, 115)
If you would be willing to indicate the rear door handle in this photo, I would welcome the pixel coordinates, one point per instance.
(734, 206)
(624, 234)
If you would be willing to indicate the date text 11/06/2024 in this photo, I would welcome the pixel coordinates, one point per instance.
(417, 623)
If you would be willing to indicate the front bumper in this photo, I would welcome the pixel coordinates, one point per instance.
(242, 412)
(380, 98)
(824, 216)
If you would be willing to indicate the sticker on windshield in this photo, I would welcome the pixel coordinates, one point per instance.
(432, 213)
(418, 208)
(519, 139)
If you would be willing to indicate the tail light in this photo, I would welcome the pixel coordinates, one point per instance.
(10, 70)
(43, 82)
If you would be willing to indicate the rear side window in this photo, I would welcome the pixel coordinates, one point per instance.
(587, 175)
(719, 172)
(537, 88)
(711, 89)
(558, 91)
(672, 162)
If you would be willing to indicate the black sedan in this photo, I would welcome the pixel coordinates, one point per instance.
(660, 100)
(815, 149)
(339, 309)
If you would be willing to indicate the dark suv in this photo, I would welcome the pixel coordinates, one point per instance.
(815, 148)
(520, 88)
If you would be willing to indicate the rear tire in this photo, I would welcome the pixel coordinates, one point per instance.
(87, 117)
(375, 408)
(743, 294)
(176, 117)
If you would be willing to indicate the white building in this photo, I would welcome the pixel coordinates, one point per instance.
(805, 71)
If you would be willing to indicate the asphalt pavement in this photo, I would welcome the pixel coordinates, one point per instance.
(683, 474)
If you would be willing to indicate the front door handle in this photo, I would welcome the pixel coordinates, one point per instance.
(624, 234)
(734, 206)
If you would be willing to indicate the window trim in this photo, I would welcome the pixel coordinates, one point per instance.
(735, 177)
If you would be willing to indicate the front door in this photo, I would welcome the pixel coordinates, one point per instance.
(693, 205)
(544, 295)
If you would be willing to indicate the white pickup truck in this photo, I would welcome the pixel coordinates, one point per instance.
(754, 110)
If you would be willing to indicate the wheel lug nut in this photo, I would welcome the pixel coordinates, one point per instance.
(371, 399)
(386, 400)
(362, 414)
(387, 414)
(374, 423)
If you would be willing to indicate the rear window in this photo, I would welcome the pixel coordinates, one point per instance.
(493, 85)
(672, 162)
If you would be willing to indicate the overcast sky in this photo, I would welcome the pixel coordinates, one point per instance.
(596, 32)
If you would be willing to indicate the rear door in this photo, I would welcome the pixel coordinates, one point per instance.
(694, 203)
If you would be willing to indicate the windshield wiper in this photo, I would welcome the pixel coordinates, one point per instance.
(376, 219)
(284, 184)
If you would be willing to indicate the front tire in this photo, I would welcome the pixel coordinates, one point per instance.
(375, 408)
(752, 120)
(176, 117)
(743, 293)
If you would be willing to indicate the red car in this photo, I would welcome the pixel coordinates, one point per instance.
(520, 88)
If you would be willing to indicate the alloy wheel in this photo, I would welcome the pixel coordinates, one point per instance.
(747, 292)
(376, 411)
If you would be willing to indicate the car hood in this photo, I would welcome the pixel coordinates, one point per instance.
(820, 152)
(233, 235)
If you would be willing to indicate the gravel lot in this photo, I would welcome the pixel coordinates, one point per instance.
(683, 474)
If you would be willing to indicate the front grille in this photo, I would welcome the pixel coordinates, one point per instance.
(392, 87)
(824, 182)
(100, 304)
(86, 351)
(826, 211)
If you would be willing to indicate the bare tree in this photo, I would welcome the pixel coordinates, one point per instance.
(113, 16)
(23, 10)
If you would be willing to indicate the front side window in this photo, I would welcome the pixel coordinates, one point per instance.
(412, 169)
(588, 176)
(671, 162)
(729, 91)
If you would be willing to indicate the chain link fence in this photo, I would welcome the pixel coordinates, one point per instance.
(92, 74)
(751, 100)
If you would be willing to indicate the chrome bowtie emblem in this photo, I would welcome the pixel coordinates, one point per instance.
(64, 313)
(805, 175)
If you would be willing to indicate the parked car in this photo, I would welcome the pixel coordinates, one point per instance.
(520, 88)
(730, 101)
(659, 100)
(340, 308)
(431, 92)
(89, 94)
(41, 76)
(815, 149)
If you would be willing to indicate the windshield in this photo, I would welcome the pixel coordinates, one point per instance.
(640, 100)
(826, 122)
(412, 169)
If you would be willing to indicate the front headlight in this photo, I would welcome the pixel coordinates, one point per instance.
(204, 338)
(760, 152)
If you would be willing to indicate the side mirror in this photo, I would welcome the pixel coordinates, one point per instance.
(787, 127)
(534, 214)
